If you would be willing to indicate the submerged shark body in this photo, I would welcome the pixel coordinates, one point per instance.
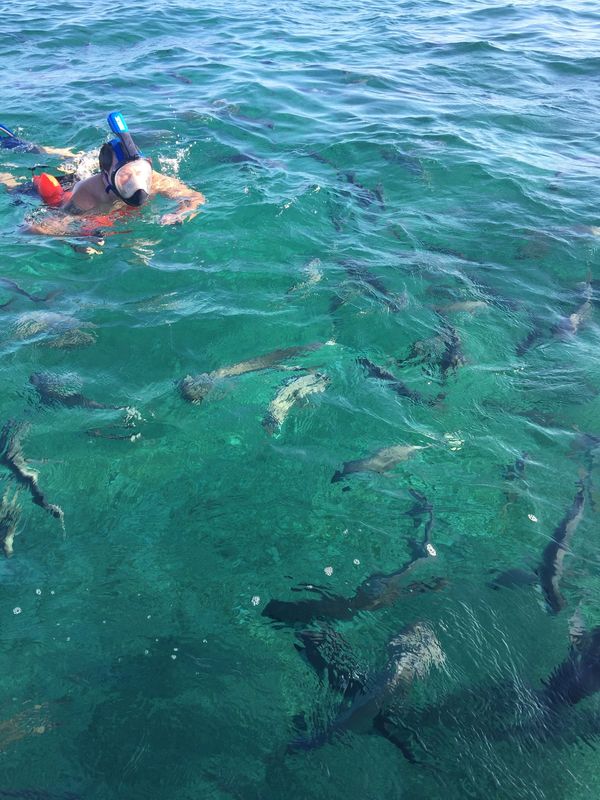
(292, 392)
(569, 325)
(551, 567)
(532, 718)
(381, 461)
(195, 388)
(362, 276)
(396, 385)
(442, 352)
(11, 455)
(51, 329)
(10, 513)
(368, 698)
(58, 390)
(578, 676)
(14, 287)
(452, 356)
(379, 590)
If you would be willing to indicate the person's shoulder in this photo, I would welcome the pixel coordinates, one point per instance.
(92, 182)
(88, 193)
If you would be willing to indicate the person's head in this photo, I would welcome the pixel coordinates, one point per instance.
(128, 174)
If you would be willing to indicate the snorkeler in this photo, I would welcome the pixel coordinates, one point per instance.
(126, 179)
(8, 141)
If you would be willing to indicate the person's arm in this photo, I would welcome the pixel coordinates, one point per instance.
(8, 180)
(55, 225)
(66, 221)
(174, 189)
(63, 152)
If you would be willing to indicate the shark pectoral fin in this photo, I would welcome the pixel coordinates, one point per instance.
(335, 303)
(328, 653)
(299, 722)
(307, 648)
(383, 725)
(349, 684)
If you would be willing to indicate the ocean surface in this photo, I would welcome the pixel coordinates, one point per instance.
(407, 192)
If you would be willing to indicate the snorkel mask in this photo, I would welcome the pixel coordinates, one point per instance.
(126, 171)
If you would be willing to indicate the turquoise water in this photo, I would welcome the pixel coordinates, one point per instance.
(447, 152)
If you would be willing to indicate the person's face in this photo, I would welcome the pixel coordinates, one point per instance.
(133, 181)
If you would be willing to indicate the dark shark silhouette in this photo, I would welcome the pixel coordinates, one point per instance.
(443, 351)
(54, 390)
(11, 456)
(550, 569)
(368, 697)
(195, 388)
(533, 717)
(377, 591)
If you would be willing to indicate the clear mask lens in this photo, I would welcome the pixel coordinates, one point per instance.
(133, 176)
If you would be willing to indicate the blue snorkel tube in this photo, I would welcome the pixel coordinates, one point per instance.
(129, 149)
(124, 150)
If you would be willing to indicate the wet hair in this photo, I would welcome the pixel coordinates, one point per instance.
(105, 157)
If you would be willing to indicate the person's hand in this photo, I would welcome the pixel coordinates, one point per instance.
(172, 219)
(178, 217)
